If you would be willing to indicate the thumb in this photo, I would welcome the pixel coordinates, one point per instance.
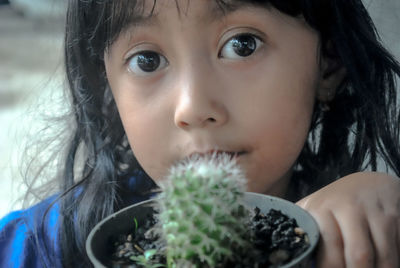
(303, 203)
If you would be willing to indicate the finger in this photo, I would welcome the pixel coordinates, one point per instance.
(358, 247)
(384, 233)
(330, 247)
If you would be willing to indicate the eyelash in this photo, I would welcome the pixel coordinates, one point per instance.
(159, 59)
(257, 42)
(252, 43)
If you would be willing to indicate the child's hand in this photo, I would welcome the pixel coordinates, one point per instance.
(359, 221)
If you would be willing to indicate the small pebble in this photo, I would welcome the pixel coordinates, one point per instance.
(299, 231)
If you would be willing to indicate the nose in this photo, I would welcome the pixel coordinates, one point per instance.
(200, 104)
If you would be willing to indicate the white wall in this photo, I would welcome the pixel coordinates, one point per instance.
(386, 15)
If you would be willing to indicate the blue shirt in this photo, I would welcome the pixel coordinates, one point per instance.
(20, 248)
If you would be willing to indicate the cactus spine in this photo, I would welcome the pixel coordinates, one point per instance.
(202, 217)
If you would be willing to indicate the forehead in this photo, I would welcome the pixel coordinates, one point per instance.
(213, 7)
(146, 12)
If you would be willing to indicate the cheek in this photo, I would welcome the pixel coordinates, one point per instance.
(276, 114)
(277, 109)
(145, 138)
(143, 122)
(278, 141)
(285, 122)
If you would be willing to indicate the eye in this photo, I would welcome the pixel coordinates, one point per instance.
(146, 62)
(240, 46)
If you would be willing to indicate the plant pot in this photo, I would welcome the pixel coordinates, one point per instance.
(122, 222)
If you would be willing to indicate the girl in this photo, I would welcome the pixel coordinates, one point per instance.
(302, 91)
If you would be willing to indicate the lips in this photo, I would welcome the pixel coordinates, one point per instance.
(232, 154)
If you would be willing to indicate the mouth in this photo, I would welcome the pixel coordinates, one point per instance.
(218, 153)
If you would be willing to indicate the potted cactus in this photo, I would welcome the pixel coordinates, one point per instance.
(201, 212)
(204, 218)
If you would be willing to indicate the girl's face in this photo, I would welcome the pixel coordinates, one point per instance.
(195, 79)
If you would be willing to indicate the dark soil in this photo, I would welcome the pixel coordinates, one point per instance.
(277, 240)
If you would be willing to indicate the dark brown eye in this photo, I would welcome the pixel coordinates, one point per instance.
(146, 62)
(240, 46)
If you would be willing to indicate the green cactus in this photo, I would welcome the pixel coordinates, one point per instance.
(201, 213)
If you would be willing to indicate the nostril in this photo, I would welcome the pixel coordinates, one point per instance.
(188, 121)
(183, 124)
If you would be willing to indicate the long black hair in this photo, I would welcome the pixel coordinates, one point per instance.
(361, 126)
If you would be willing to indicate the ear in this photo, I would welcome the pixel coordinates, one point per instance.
(332, 75)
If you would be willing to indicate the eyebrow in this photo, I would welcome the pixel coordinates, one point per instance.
(217, 12)
(224, 9)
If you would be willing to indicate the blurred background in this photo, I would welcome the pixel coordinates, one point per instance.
(31, 84)
(32, 79)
